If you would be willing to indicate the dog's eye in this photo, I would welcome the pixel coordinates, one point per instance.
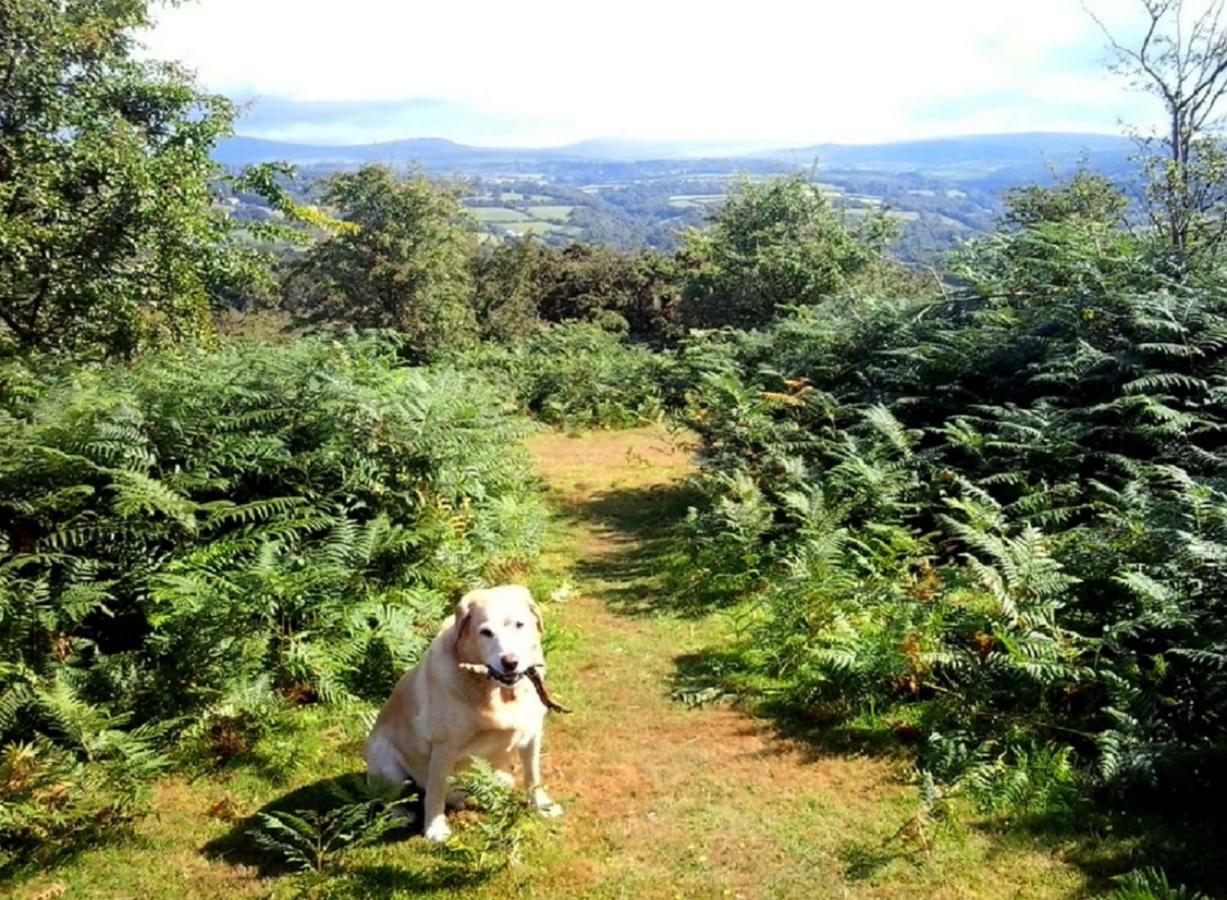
(519, 624)
(486, 632)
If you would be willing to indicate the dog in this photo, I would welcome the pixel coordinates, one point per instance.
(467, 698)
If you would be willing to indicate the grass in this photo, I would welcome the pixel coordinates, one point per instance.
(663, 800)
(497, 214)
(550, 213)
(683, 201)
(536, 227)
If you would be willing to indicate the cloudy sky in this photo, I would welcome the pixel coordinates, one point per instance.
(766, 72)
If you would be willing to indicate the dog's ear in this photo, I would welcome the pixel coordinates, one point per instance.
(464, 616)
(536, 611)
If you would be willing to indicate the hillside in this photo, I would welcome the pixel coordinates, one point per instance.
(628, 194)
(968, 156)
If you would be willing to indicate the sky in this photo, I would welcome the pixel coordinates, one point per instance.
(755, 72)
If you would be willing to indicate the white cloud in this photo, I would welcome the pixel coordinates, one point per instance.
(778, 70)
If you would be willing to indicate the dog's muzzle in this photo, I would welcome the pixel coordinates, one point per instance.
(508, 678)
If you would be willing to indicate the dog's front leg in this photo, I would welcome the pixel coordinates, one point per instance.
(530, 761)
(442, 760)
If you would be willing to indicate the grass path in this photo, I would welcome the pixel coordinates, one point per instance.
(669, 801)
(662, 800)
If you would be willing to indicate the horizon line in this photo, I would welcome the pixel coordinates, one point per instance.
(747, 143)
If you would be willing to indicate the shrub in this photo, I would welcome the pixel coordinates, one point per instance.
(174, 532)
(774, 244)
(996, 517)
(577, 375)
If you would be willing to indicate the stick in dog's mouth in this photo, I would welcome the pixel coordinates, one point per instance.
(510, 679)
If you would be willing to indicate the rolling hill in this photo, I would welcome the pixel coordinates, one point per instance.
(970, 156)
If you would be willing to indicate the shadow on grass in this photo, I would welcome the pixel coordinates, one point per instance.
(1185, 844)
(421, 868)
(637, 530)
(238, 846)
(1181, 831)
(718, 675)
(1102, 844)
(397, 881)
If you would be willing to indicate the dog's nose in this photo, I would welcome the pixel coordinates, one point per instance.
(509, 661)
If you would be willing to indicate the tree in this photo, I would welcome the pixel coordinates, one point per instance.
(404, 262)
(1181, 58)
(522, 283)
(1084, 197)
(510, 279)
(773, 244)
(109, 237)
(1064, 241)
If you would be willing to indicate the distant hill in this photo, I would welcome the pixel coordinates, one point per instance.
(1014, 158)
(976, 156)
(429, 152)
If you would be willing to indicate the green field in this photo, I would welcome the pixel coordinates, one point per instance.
(682, 201)
(497, 214)
(538, 227)
(550, 213)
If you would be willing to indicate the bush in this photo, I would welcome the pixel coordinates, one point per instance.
(577, 375)
(175, 532)
(774, 244)
(997, 517)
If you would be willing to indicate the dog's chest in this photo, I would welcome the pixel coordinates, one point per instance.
(508, 709)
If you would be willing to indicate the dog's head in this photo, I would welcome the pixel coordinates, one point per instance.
(500, 628)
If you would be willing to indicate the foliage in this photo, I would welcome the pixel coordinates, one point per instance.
(994, 519)
(56, 803)
(310, 840)
(577, 375)
(402, 262)
(500, 830)
(185, 536)
(523, 282)
(1150, 884)
(1085, 196)
(773, 244)
(109, 237)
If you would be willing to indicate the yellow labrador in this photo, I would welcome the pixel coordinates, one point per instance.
(467, 698)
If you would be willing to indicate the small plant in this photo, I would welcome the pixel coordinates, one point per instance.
(499, 829)
(311, 840)
(1150, 884)
(52, 804)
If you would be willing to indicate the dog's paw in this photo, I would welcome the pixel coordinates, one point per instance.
(545, 806)
(438, 831)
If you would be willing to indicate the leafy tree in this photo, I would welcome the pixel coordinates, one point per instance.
(109, 238)
(404, 263)
(509, 281)
(774, 244)
(1085, 196)
(1065, 239)
(521, 283)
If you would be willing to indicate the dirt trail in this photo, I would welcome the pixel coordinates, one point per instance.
(665, 800)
